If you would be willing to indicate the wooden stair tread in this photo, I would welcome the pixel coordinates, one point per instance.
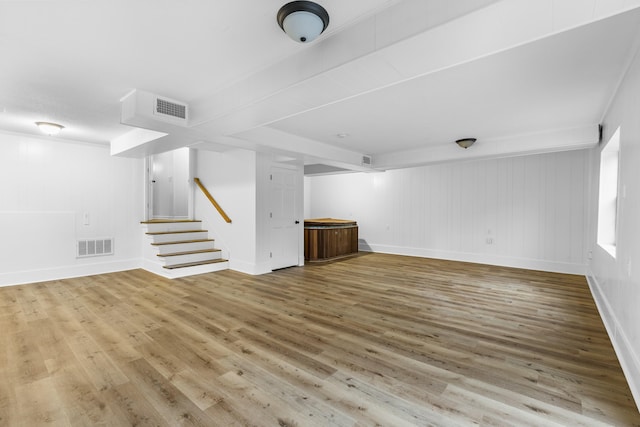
(168, 221)
(182, 241)
(201, 251)
(157, 233)
(194, 264)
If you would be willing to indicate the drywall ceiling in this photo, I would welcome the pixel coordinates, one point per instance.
(71, 61)
(398, 80)
(524, 90)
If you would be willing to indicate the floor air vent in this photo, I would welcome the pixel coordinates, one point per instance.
(170, 108)
(94, 247)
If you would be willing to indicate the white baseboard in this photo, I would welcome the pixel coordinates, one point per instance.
(250, 268)
(67, 272)
(628, 358)
(504, 261)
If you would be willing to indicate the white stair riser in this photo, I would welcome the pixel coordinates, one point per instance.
(179, 237)
(184, 247)
(183, 259)
(198, 269)
(173, 226)
(158, 269)
(176, 237)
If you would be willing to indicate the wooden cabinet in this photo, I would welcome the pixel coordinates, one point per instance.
(327, 238)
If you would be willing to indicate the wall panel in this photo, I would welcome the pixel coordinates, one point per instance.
(48, 185)
(230, 177)
(615, 281)
(521, 211)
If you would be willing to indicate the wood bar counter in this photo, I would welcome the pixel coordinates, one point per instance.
(329, 238)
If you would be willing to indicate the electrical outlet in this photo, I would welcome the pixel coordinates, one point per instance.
(489, 241)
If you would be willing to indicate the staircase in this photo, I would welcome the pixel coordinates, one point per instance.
(180, 248)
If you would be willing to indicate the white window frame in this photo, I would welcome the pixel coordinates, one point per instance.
(608, 194)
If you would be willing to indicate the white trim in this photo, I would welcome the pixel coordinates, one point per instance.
(504, 261)
(250, 268)
(610, 249)
(67, 272)
(147, 193)
(628, 358)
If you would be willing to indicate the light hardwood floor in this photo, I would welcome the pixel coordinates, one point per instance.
(371, 340)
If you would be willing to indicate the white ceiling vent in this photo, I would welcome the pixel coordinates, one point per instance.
(149, 110)
(366, 160)
(171, 108)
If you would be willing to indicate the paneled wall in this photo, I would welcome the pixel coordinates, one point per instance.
(615, 281)
(525, 211)
(239, 181)
(230, 177)
(53, 193)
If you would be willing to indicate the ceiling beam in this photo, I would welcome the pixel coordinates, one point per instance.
(517, 145)
(375, 54)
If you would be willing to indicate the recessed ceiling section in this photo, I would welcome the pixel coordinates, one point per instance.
(559, 82)
(398, 76)
(70, 60)
(343, 65)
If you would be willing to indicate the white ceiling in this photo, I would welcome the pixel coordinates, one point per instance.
(71, 61)
(513, 92)
(403, 78)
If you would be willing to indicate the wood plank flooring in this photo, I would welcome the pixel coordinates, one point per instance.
(369, 340)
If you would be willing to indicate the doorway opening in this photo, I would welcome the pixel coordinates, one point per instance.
(169, 190)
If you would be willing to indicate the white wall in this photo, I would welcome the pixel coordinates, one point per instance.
(239, 181)
(616, 282)
(531, 209)
(230, 177)
(47, 185)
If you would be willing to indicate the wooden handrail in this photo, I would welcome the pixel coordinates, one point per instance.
(212, 200)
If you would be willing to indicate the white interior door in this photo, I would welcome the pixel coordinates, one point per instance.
(169, 184)
(285, 224)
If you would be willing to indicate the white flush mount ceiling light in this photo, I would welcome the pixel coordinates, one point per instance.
(303, 21)
(465, 142)
(49, 128)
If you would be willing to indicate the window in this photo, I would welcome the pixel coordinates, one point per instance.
(608, 199)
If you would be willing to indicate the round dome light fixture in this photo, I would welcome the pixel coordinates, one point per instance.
(465, 142)
(49, 128)
(303, 21)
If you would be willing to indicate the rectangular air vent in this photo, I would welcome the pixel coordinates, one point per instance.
(366, 160)
(170, 108)
(94, 247)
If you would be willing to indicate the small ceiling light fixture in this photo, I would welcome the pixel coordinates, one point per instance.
(49, 128)
(465, 142)
(303, 21)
